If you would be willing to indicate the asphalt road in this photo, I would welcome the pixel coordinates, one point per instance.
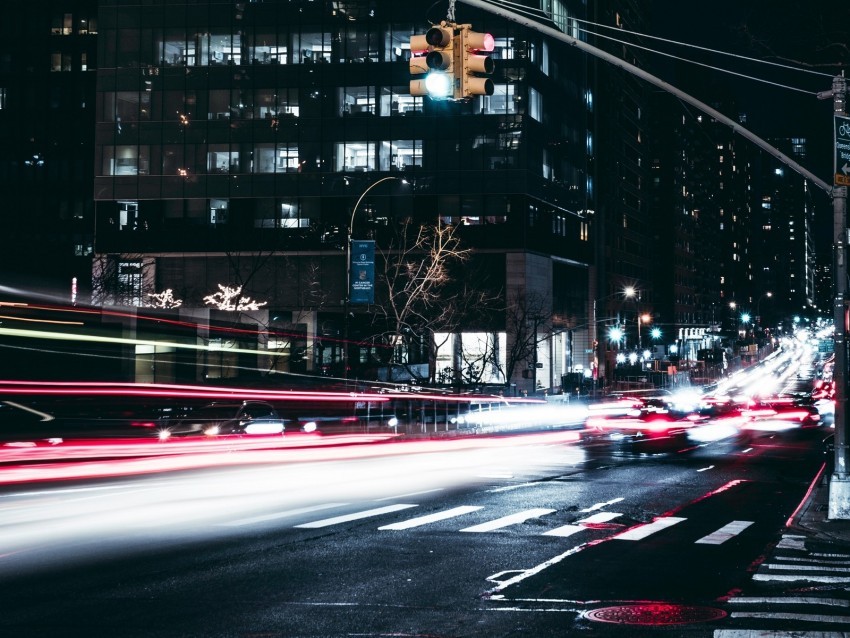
(498, 537)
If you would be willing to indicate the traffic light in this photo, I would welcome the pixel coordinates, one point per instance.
(433, 55)
(472, 65)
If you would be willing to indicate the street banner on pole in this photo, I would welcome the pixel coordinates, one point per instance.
(842, 150)
(362, 272)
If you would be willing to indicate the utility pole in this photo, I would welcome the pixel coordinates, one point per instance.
(839, 495)
(839, 485)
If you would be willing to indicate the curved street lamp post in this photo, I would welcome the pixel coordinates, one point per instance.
(346, 319)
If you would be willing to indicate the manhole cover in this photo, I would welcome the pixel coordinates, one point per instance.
(654, 614)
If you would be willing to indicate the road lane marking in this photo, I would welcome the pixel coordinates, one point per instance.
(809, 568)
(505, 521)
(277, 515)
(724, 533)
(792, 578)
(703, 469)
(326, 522)
(391, 498)
(599, 506)
(772, 615)
(642, 531)
(580, 526)
(813, 561)
(789, 600)
(432, 518)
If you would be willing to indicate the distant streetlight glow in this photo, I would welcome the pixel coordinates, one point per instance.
(655, 333)
(615, 334)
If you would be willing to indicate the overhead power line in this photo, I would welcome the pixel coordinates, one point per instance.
(538, 14)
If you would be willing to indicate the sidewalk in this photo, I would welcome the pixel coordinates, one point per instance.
(812, 520)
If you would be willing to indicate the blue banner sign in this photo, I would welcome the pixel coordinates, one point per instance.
(362, 272)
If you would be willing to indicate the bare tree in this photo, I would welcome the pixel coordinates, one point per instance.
(527, 315)
(423, 293)
(122, 279)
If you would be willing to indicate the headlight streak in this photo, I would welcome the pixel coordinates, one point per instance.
(258, 493)
(71, 461)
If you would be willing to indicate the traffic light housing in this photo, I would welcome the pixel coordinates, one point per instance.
(449, 57)
(433, 55)
(471, 66)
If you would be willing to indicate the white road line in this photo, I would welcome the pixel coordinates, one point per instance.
(724, 533)
(356, 516)
(642, 531)
(579, 526)
(812, 561)
(809, 568)
(703, 469)
(789, 600)
(792, 542)
(513, 519)
(791, 578)
(599, 506)
(509, 488)
(277, 515)
(390, 498)
(432, 518)
(802, 617)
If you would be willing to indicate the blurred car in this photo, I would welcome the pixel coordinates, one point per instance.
(649, 427)
(226, 418)
(782, 413)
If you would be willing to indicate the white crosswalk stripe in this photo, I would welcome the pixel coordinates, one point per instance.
(642, 531)
(724, 533)
(432, 518)
(346, 518)
(506, 521)
(285, 514)
(580, 525)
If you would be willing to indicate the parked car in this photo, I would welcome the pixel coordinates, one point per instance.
(226, 418)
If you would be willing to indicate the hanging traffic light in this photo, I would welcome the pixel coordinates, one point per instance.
(471, 65)
(432, 55)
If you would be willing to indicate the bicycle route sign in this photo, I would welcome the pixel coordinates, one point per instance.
(842, 150)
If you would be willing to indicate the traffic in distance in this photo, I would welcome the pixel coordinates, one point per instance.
(790, 390)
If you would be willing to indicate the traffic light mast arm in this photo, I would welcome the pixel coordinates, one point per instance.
(630, 68)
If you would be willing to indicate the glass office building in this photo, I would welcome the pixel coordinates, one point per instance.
(234, 141)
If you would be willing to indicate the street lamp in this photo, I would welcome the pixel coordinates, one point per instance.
(348, 266)
(767, 294)
(644, 318)
(629, 291)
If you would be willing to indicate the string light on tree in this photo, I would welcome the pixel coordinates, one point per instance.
(228, 298)
(164, 299)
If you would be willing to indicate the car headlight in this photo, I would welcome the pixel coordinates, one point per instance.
(310, 426)
(164, 435)
(212, 430)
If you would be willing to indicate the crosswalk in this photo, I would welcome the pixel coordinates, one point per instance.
(798, 587)
(599, 520)
(793, 587)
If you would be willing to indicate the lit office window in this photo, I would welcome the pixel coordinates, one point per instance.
(356, 156)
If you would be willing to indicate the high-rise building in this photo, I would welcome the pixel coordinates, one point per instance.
(238, 145)
(786, 224)
(48, 53)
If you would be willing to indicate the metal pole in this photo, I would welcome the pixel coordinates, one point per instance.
(839, 486)
(648, 77)
(348, 274)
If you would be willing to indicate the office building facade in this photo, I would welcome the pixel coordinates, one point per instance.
(235, 144)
